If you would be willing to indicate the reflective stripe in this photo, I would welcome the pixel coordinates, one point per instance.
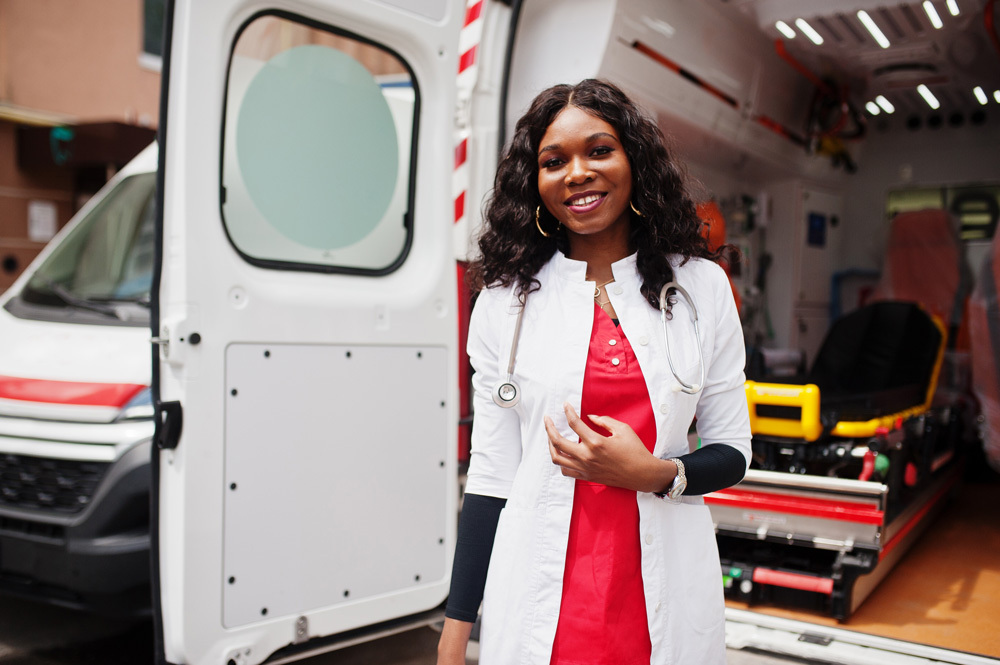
(68, 392)
(844, 511)
(793, 580)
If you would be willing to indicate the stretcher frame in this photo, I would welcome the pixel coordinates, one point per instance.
(826, 542)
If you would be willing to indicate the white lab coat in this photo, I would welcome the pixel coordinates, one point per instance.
(510, 456)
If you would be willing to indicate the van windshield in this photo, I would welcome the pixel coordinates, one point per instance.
(104, 267)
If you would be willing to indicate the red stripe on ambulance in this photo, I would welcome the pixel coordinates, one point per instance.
(68, 392)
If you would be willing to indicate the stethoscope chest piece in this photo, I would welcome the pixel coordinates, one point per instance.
(506, 394)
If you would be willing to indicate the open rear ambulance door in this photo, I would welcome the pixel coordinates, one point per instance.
(304, 321)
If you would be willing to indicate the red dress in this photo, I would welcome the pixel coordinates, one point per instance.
(602, 618)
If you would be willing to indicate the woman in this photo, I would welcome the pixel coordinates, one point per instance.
(604, 552)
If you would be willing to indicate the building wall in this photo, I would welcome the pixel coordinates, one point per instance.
(81, 60)
(17, 190)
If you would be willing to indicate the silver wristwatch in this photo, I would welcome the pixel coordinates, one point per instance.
(677, 487)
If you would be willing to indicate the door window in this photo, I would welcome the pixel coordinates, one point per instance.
(318, 149)
(976, 207)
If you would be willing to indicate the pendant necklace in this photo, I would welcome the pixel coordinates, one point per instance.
(597, 294)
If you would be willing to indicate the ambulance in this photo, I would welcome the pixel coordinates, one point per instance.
(292, 393)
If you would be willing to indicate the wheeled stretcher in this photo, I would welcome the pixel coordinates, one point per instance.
(850, 462)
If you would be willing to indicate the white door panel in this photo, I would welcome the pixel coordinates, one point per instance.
(269, 245)
(331, 433)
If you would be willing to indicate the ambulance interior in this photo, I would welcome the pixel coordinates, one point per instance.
(849, 151)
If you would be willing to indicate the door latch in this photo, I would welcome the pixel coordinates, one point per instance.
(169, 421)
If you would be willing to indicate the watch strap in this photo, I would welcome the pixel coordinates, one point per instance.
(669, 494)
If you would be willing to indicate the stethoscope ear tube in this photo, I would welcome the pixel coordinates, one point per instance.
(685, 387)
(507, 393)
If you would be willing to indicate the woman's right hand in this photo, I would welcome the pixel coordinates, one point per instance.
(454, 642)
(619, 460)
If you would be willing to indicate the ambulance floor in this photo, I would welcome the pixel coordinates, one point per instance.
(945, 592)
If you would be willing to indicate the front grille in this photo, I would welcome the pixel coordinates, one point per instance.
(29, 528)
(64, 486)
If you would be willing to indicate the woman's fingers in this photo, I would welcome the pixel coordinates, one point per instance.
(560, 450)
(568, 465)
(577, 424)
(610, 424)
(559, 446)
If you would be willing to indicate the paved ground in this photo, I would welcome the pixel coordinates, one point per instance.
(34, 634)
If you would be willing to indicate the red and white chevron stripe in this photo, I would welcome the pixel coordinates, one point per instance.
(468, 69)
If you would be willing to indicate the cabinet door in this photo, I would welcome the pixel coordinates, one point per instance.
(818, 230)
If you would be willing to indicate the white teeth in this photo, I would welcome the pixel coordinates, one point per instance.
(587, 200)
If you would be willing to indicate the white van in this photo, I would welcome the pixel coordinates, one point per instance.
(75, 406)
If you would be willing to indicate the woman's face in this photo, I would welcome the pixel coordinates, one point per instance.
(584, 178)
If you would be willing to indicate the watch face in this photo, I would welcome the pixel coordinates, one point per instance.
(677, 489)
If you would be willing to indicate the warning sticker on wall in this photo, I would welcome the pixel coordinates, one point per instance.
(41, 220)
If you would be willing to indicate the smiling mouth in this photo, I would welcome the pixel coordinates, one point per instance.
(585, 202)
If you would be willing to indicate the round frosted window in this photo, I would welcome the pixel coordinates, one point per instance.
(307, 157)
(317, 148)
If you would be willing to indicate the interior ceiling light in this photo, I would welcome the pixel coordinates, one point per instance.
(996, 96)
(981, 95)
(872, 108)
(953, 7)
(785, 29)
(933, 15)
(873, 29)
(928, 96)
(885, 104)
(808, 31)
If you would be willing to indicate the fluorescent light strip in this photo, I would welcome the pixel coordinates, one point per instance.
(873, 29)
(808, 31)
(981, 95)
(933, 15)
(785, 29)
(885, 104)
(953, 7)
(928, 97)
(872, 108)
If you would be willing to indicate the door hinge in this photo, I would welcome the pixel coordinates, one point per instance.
(170, 419)
(301, 634)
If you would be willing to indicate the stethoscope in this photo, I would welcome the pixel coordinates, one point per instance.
(507, 393)
(683, 386)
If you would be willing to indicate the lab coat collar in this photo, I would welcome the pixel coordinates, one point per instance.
(576, 271)
(624, 269)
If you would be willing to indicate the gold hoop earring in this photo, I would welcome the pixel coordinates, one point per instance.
(635, 210)
(538, 222)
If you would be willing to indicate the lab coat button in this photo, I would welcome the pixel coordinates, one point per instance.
(643, 340)
(612, 342)
(657, 608)
(664, 408)
(649, 539)
(618, 290)
(615, 362)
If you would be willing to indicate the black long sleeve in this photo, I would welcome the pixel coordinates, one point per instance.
(477, 527)
(712, 468)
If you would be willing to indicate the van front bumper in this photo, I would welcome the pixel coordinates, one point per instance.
(76, 532)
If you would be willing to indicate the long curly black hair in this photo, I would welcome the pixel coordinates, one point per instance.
(513, 251)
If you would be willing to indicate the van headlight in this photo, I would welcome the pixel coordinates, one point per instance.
(139, 407)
